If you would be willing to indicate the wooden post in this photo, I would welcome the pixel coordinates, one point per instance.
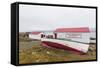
(55, 34)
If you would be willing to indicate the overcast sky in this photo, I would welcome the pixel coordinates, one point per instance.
(41, 18)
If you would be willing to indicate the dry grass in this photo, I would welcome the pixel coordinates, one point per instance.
(32, 52)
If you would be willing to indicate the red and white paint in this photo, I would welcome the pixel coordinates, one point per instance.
(66, 45)
(60, 37)
(35, 35)
(76, 34)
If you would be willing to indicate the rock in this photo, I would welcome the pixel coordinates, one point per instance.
(33, 52)
(48, 52)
